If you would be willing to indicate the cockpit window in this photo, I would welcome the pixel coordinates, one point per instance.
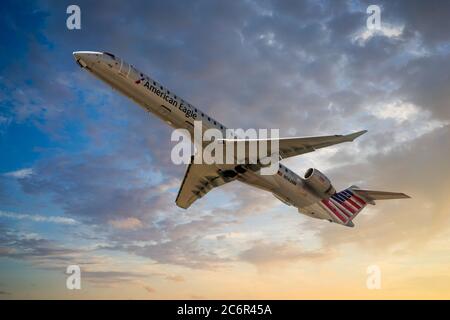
(110, 54)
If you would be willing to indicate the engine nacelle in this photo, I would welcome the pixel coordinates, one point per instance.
(319, 182)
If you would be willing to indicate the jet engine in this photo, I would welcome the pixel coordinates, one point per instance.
(319, 183)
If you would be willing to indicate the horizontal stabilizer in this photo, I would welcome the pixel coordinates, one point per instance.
(380, 195)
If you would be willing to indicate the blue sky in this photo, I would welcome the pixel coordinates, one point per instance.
(86, 176)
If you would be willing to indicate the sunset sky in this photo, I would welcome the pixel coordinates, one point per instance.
(86, 176)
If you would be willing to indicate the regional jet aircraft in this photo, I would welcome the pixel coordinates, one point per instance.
(312, 195)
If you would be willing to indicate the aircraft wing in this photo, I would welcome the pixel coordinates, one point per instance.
(198, 180)
(295, 146)
(290, 147)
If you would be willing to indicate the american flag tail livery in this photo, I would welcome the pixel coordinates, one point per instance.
(345, 205)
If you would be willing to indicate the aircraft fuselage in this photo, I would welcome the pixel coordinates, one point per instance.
(286, 185)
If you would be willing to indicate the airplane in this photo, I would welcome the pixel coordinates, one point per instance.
(312, 195)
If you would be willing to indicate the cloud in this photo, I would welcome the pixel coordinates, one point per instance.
(149, 289)
(434, 285)
(4, 123)
(20, 174)
(95, 186)
(264, 254)
(126, 224)
(49, 255)
(412, 223)
(111, 278)
(37, 218)
(424, 82)
(429, 20)
(398, 111)
(182, 252)
(175, 278)
(33, 248)
(386, 31)
(294, 65)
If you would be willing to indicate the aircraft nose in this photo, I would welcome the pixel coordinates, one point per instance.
(85, 58)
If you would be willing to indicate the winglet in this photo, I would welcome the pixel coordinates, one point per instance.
(353, 136)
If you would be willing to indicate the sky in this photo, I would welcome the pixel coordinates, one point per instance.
(86, 177)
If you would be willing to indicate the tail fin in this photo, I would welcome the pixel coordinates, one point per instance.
(348, 203)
